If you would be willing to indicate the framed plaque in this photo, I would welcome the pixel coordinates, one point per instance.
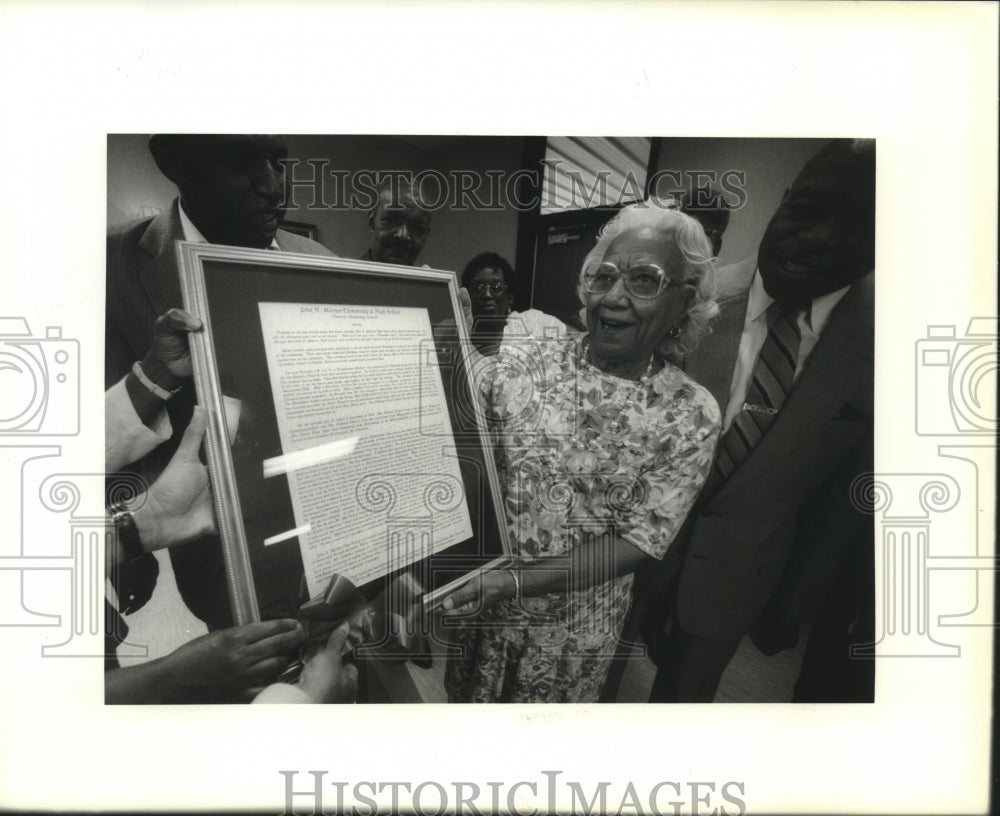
(343, 437)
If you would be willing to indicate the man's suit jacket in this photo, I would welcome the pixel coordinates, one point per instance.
(143, 283)
(786, 510)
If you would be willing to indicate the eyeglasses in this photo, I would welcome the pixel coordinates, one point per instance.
(645, 281)
(494, 288)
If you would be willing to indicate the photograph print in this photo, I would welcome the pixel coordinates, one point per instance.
(456, 419)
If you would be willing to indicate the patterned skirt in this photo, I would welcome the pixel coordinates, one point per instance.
(551, 649)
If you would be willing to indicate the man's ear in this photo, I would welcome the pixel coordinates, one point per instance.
(169, 157)
(371, 218)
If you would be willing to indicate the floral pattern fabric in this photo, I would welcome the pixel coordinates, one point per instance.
(581, 454)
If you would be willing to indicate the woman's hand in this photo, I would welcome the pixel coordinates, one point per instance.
(465, 299)
(446, 331)
(483, 592)
(325, 678)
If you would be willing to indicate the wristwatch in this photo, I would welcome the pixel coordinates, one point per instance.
(128, 534)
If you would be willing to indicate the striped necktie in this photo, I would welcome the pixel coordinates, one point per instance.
(773, 376)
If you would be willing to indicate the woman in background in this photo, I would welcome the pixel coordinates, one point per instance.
(488, 278)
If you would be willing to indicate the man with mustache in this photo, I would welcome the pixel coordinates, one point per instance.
(399, 224)
(790, 362)
(232, 191)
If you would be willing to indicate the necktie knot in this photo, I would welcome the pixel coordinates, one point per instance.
(787, 311)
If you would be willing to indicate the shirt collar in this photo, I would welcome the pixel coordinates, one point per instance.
(193, 235)
(759, 301)
(816, 316)
(822, 307)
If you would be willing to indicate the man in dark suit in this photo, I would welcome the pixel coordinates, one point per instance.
(232, 191)
(790, 363)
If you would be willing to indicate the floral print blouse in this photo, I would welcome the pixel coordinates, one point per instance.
(581, 447)
(581, 453)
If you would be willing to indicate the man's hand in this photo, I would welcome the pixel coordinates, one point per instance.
(230, 665)
(170, 342)
(325, 678)
(178, 506)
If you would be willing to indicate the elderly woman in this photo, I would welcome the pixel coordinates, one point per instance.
(488, 278)
(603, 447)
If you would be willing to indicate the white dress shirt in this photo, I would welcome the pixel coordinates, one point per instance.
(755, 327)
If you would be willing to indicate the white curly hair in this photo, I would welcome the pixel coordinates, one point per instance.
(664, 216)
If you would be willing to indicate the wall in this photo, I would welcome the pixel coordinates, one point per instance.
(458, 235)
(134, 183)
(771, 165)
